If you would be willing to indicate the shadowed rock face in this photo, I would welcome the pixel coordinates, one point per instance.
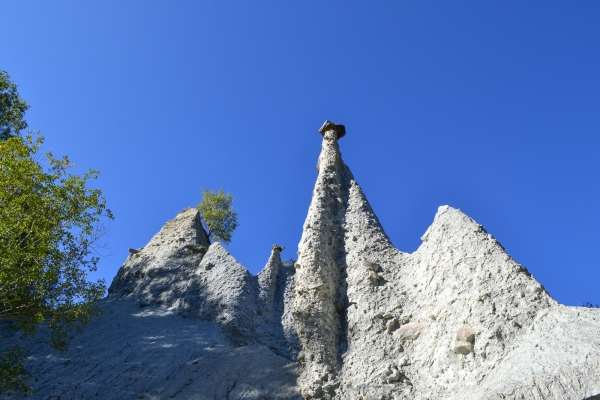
(146, 353)
(210, 285)
(456, 319)
(183, 319)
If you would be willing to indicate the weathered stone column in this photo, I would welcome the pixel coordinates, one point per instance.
(320, 254)
(267, 280)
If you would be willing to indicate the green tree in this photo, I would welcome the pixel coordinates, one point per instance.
(218, 215)
(12, 108)
(49, 230)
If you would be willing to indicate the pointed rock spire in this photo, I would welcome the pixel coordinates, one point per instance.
(147, 271)
(321, 252)
(267, 279)
(320, 294)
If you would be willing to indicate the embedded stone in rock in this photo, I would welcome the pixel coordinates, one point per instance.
(392, 325)
(410, 331)
(462, 347)
(395, 376)
(466, 334)
(340, 130)
(465, 339)
(373, 278)
(196, 249)
(536, 288)
(371, 265)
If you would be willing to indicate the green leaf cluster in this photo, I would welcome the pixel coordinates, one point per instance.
(12, 108)
(49, 229)
(13, 376)
(218, 215)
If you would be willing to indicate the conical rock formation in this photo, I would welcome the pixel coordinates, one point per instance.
(459, 318)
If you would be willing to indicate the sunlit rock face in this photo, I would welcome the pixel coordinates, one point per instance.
(355, 318)
(458, 318)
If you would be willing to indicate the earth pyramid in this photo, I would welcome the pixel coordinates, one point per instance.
(354, 318)
(457, 319)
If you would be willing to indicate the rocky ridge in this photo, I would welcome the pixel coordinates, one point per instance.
(183, 319)
(355, 319)
(179, 272)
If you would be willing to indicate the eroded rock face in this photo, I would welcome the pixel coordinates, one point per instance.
(458, 318)
(130, 352)
(321, 263)
(185, 320)
(159, 272)
(180, 272)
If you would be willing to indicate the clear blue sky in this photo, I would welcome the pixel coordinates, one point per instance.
(491, 107)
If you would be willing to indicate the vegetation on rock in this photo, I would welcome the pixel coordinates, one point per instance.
(49, 229)
(218, 215)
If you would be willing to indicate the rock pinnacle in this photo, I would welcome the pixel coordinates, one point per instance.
(340, 130)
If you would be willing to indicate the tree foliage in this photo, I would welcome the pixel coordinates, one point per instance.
(218, 215)
(48, 230)
(13, 376)
(12, 108)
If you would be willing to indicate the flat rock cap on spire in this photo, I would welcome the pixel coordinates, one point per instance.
(340, 130)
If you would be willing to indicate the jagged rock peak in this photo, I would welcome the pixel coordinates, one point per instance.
(340, 130)
(340, 222)
(184, 320)
(180, 273)
(456, 319)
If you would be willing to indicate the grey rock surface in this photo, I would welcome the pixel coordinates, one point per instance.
(171, 274)
(183, 319)
(149, 353)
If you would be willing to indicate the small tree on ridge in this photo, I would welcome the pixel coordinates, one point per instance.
(218, 215)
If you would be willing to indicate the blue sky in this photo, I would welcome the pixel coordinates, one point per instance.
(491, 107)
